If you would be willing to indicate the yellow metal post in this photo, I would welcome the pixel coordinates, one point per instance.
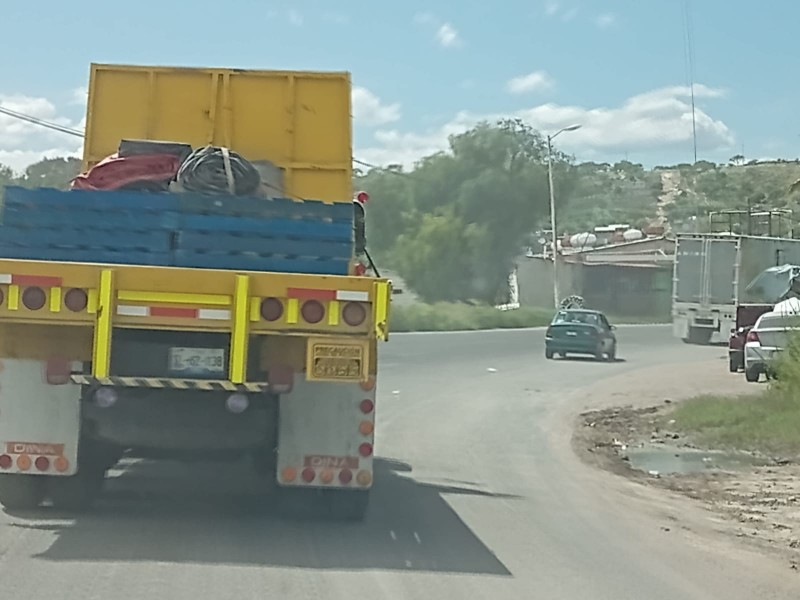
(240, 331)
(101, 354)
(380, 311)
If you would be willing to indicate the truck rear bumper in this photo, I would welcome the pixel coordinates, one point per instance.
(164, 421)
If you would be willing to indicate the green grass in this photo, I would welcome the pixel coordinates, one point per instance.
(448, 316)
(768, 422)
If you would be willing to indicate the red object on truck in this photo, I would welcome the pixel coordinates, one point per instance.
(116, 172)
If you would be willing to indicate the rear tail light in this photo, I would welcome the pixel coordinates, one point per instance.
(354, 313)
(366, 427)
(237, 403)
(312, 311)
(5, 461)
(366, 406)
(549, 332)
(362, 197)
(42, 463)
(76, 300)
(365, 449)
(345, 476)
(23, 462)
(289, 474)
(271, 309)
(364, 478)
(326, 476)
(308, 475)
(61, 464)
(34, 298)
(752, 336)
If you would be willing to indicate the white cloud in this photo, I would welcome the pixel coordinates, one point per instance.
(295, 18)
(447, 36)
(552, 7)
(532, 82)
(23, 143)
(369, 110)
(605, 20)
(655, 121)
(80, 95)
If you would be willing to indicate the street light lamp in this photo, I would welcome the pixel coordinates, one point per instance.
(550, 139)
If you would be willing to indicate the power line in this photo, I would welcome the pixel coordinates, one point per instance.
(41, 122)
(689, 56)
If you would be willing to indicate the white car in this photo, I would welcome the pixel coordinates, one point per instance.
(768, 337)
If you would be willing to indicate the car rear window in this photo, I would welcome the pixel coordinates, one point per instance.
(779, 322)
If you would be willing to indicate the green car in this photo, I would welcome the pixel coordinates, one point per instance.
(580, 331)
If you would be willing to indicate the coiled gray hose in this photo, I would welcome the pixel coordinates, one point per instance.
(215, 170)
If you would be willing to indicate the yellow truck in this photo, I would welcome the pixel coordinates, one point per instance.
(197, 326)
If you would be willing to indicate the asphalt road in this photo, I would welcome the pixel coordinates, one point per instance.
(478, 495)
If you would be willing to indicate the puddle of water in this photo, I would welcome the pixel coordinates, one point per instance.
(667, 460)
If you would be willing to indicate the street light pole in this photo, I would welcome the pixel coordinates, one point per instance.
(550, 138)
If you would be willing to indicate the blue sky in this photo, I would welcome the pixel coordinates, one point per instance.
(423, 70)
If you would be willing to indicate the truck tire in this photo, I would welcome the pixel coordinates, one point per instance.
(752, 375)
(77, 492)
(348, 505)
(21, 492)
(699, 336)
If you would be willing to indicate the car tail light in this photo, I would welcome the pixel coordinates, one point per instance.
(5, 461)
(752, 336)
(366, 406)
(42, 463)
(549, 332)
(354, 313)
(76, 300)
(271, 309)
(326, 476)
(312, 311)
(34, 298)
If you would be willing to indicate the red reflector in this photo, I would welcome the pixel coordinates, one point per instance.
(58, 371)
(365, 449)
(752, 336)
(308, 293)
(312, 311)
(345, 476)
(42, 463)
(367, 406)
(354, 313)
(308, 475)
(362, 197)
(5, 461)
(76, 300)
(36, 280)
(170, 311)
(271, 309)
(34, 298)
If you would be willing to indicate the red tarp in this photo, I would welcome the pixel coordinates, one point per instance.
(115, 172)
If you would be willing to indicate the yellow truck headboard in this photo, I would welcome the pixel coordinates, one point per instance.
(298, 120)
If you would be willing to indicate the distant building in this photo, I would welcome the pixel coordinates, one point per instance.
(624, 279)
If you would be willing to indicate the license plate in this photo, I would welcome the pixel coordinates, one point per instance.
(336, 361)
(572, 333)
(197, 361)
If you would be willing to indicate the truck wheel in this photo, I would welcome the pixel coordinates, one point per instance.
(348, 505)
(21, 492)
(752, 375)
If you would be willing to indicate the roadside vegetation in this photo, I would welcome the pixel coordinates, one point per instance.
(767, 422)
(455, 316)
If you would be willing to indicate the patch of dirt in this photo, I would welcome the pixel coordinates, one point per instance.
(761, 504)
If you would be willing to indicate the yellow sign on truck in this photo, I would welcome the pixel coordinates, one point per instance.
(147, 315)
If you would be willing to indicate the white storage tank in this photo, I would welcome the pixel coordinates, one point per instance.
(583, 240)
(632, 235)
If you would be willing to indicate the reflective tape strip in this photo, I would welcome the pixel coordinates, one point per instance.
(133, 311)
(29, 280)
(174, 298)
(214, 314)
(352, 296)
(219, 385)
(333, 312)
(55, 299)
(311, 294)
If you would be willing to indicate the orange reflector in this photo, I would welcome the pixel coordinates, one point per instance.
(326, 476)
(289, 474)
(368, 385)
(24, 462)
(61, 464)
(364, 478)
(366, 427)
